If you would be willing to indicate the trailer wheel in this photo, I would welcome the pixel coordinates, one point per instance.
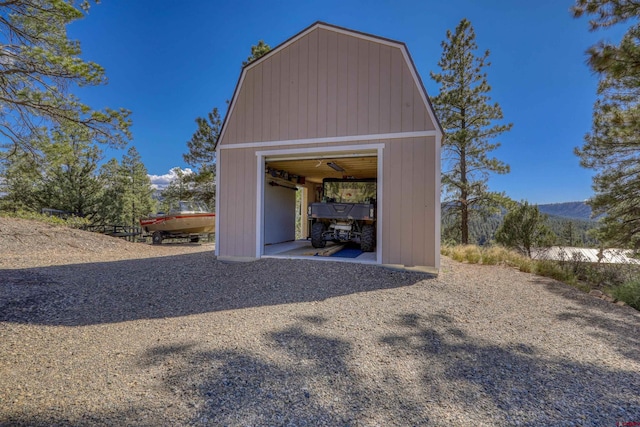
(156, 239)
(368, 238)
(317, 241)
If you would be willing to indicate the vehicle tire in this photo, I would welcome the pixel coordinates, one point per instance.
(156, 239)
(368, 238)
(194, 239)
(317, 241)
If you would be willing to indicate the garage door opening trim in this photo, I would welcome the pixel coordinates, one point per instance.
(261, 157)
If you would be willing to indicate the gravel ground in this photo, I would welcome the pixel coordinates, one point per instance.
(97, 331)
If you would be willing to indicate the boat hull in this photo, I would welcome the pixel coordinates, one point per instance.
(183, 223)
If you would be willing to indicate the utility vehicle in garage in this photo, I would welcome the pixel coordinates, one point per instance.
(347, 213)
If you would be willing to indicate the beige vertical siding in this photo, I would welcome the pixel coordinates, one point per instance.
(237, 202)
(410, 210)
(327, 84)
(410, 233)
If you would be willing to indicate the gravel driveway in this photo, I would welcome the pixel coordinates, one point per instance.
(184, 339)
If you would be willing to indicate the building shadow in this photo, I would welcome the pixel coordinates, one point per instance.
(96, 293)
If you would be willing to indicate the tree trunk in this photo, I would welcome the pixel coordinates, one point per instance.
(464, 195)
(464, 223)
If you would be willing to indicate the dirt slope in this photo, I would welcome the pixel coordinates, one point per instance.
(26, 243)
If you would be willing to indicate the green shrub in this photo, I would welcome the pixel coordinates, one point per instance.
(628, 292)
(611, 274)
(526, 267)
(555, 270)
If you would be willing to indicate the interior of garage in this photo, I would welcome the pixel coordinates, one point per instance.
(293, 182)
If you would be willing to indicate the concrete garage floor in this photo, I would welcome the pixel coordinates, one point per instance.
(302, 249)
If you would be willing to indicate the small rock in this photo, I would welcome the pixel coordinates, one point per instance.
(621, 303)
(596, 293)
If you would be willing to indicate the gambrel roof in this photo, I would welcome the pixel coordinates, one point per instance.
(329, 82)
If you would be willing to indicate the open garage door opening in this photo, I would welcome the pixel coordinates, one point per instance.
(321, 205)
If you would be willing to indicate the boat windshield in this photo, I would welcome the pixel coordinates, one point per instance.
(189, 207)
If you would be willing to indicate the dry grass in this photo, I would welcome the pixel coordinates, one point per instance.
(494, 255)
(582, 275)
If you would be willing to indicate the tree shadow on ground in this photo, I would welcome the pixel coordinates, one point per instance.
(299, 376)
(317, 380)
(310, 380)
(514, 384)
(588, 313)
(97, 293)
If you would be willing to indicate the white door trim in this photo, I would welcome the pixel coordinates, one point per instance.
(261, 157)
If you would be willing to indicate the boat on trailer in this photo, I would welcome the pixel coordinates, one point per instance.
(186, 219)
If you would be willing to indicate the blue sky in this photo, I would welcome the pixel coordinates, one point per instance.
(170, 62)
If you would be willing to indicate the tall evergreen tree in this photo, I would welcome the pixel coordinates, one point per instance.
(38, 66)
(257, 51)
(20, 183)
(525, 228)
(126, 192)
(203, 143)
(180, 188)
(138, 200)
(612, 148)
(111, 205)
(202, 156)
(568, 235)
(464, 109)
(62, 177)
(70, 181)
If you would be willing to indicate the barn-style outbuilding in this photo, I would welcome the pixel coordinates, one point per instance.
(329, 95)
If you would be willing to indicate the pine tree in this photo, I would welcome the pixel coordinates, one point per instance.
(525, 228)
(70, 181)
(111, 204)
(612, 148)
(20, 183)
(138, 200)
(63, 176)
(126, 194)
(257, 51)
(180, 188)
(202, 156)
(38, 66)
(568, 233)
(203, 143)
(464, 109)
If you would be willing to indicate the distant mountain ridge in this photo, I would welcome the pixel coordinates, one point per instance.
(573, 210)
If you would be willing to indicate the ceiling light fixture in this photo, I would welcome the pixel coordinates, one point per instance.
(335, 167)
